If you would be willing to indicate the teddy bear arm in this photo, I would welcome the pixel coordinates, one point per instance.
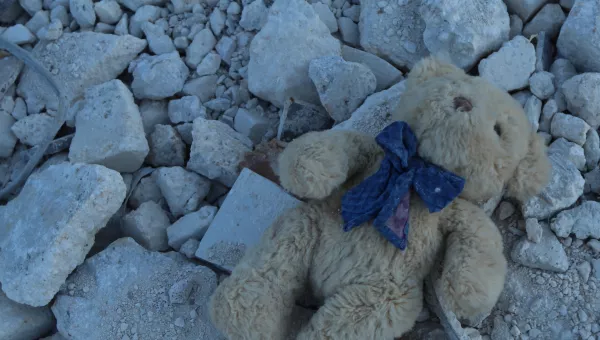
(315, 164)
(257, 300)
(366, 311)
(474, 266)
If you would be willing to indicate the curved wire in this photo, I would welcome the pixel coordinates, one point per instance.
(28, 59)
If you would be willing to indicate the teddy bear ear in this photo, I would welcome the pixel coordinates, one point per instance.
(431, 67)
(532, 173)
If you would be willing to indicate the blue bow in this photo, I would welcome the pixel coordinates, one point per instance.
(385, 195)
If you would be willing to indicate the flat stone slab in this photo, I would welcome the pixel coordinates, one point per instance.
(251, 206)
(128, 292)
(48, 229)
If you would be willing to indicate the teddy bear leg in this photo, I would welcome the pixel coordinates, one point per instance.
(315, 164)
(474, 263)
(379, 310)
(256, 301)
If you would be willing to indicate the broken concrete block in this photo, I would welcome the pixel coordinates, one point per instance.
(386, 74)
(146, 190)
(237, 226)
(191, 226)
(109, 129)
(186, 109)
(19, 321)
(127, 292)
(166, 147)
(80, 60)
(183, 190)
(34, 129)
(147, 225)
(217, 150)
(153, 112)
(8, 140)
(66, 205)
(298, 118)
(251, 123)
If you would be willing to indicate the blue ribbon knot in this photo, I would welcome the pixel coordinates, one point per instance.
(385, 195)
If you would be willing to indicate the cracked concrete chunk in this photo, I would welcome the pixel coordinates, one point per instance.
(66, 204)
(77, 61)
(237, 225)
(127, 288)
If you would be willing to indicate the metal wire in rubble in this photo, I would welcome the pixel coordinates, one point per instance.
(28, 59)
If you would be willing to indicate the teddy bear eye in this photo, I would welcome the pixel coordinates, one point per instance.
(498, 129)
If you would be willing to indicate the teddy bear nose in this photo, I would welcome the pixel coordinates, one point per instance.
(462, 104)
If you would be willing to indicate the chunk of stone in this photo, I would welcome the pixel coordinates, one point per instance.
(548, 112)
(186, 109)
(203, 87)
(252, 124)
(153, 112)
(549, 19)
(298, 118)
(8, 140)
(158, 77)
(254, 16)
(218, 104)
(581, 221)
(34, 129)
(596, 266)
(182, 189)
(122, 27)
(66, 204)
(534, 230)
(234, 229)
(326, 16)
(349, 31)
(166, 147)
(510, 67)
(125, 276)
(23, 322)
(542, 84)
(375, 113)
(31, 6)
(524, 8)
(189, 247)
(276, 72)
(158, 41)
(522, 97)
(565, 187)
(18, 34)
(592, 181)
(38, 20)
(10, 68)
(191, 226)
(505, 210)
(548, 254)
(544, 52)
(563, 70)
(217, 150)
(109, 129)
(144, 14)
(146, 190)
(135, 5)
(52, 31)
(81, 60)
(570, 127)
(217, 21)
(386, 74)
(569, 150)
(533, 109)
(342, 85)
(225, 47)
(578, 41)
(408, 31)
(592, 149)
(147, 225)
(209, 64)
(204, 41)
(185, 131)
(581, 95)
(108, 11)
(83, 12)
(60, 13)
(20, 109)
(516, 26)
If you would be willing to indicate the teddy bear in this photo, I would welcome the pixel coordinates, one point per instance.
(378, 212)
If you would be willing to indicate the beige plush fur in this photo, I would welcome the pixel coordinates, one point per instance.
(369, 288)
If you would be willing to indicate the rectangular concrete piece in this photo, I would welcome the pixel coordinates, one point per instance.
(249, 209)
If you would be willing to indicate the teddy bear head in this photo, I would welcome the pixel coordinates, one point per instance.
(466, 125)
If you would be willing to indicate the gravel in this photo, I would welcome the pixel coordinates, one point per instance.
(578, 41)
(510, 67)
